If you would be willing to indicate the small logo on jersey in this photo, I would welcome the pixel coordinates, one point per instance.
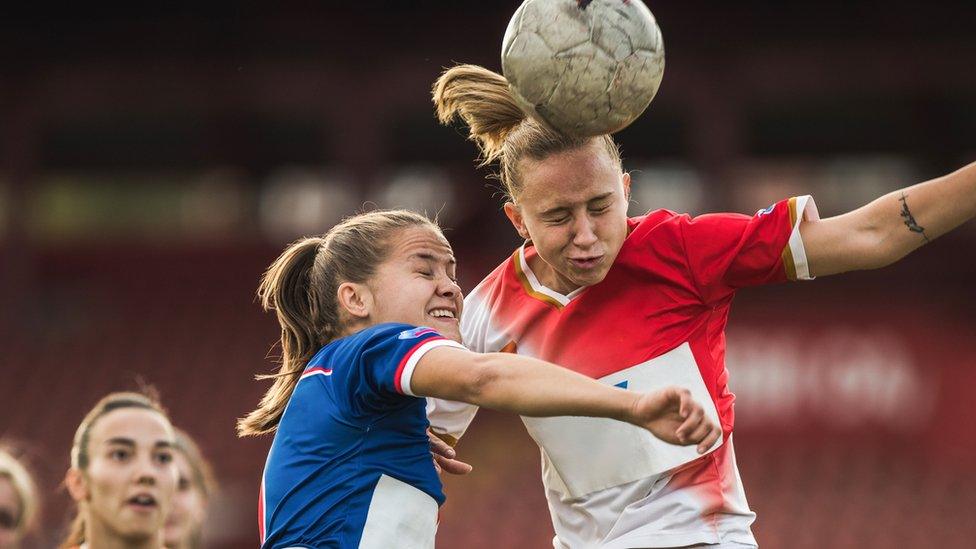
(765, 211)
(416, 332)
(622, 384)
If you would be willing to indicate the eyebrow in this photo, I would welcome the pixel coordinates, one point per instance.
(123, 441)
(560, 209)
(427, 256)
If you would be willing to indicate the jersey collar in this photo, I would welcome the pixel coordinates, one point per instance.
(532, 286)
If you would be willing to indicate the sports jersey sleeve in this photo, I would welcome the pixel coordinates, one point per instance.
(730, 251)
(383, 372)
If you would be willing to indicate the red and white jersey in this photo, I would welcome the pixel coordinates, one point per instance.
(657, 319)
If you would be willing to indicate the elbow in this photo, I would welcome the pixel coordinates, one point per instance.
(889, 249)
(479, 379)
(872, 248)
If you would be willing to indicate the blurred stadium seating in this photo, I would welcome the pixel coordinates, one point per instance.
(153, 162)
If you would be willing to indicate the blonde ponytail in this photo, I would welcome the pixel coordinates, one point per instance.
(482, 99)
(501, 129)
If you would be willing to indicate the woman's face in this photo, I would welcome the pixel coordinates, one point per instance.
(189, 506)
(130, 481)
(573, 206)
(416, 284)
(10, 510)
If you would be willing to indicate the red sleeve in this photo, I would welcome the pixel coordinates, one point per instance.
(730, 251)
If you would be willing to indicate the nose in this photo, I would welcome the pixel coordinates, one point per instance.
(146, 474)
(448, 288)
(583, 234)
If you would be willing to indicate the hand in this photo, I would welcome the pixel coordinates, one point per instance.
(673, 416)
(444, 457)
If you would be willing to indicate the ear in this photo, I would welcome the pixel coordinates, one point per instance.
(515, 216)
(626, 181)
(77, 485)
(355, 299)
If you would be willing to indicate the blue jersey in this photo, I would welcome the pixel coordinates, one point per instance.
(350, 465)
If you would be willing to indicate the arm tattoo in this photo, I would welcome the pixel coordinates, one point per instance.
(909, 219)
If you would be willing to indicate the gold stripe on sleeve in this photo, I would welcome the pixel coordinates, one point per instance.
(793, 212)
(788, 264)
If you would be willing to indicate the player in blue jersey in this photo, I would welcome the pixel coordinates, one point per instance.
(369, 326)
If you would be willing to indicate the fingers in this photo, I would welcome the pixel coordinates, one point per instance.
(709, 439)
(685, 402)
(444, 457)
(440, 448)
(692, 421)
(451, 466)
(700, 430)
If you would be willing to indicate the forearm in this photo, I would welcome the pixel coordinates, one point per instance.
(531, 387)
(521, 385)
(892, 226)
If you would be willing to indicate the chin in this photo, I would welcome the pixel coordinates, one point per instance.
(589, 279)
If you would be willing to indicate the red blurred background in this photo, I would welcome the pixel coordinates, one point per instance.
(154, 160)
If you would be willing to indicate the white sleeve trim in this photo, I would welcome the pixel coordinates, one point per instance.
(805, 210)
(415, 357)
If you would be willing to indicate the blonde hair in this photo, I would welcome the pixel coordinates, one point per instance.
(501, 129)
(26, 490)
(80, 458)
(300, 287)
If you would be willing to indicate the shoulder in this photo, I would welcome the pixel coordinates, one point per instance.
(370, 338)
(656, 229)
(491, 286)
(655, 221)
(391, 331)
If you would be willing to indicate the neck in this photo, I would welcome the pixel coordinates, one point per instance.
(99, 536)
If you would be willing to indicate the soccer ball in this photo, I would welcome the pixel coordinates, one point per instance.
(584, 67)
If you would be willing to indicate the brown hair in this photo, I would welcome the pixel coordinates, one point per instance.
(203, 475)
(23, 484)
(203, 478)
(301, 286)
(80, 458)
(499, 126)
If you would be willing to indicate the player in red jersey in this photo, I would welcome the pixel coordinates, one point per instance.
(643, 302)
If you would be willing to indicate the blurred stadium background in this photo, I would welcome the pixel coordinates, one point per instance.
(154, 159)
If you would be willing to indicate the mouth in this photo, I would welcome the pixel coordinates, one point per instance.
(586, 263)
(142, 503)
(443, 314)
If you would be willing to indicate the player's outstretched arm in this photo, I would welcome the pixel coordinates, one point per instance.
(531, 387)
(892, 226)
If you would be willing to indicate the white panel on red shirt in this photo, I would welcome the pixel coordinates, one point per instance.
(657, 319)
